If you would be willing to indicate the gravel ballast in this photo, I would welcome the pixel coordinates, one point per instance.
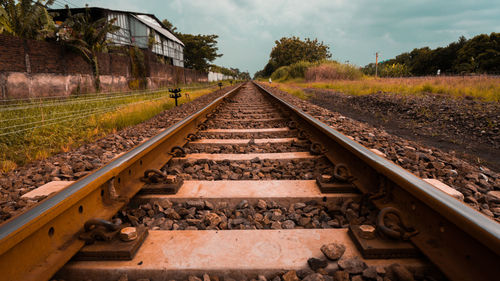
(81, 161)
(479, 184)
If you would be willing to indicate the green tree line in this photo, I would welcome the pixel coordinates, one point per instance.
(479, 55)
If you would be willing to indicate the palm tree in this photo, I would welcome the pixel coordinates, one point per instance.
(27, 19)
(87, 37)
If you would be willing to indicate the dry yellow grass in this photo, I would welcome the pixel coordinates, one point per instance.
(42, 142)
(480, 87)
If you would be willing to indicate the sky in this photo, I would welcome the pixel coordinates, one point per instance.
(353, 29)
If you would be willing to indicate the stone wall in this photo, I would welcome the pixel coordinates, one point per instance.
(30, 68)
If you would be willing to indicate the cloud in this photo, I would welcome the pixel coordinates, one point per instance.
(354, 29)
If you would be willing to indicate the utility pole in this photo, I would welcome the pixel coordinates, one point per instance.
(376, 64)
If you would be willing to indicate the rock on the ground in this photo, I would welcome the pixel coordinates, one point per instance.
(353, 265)
(333, 251)
(316, 264)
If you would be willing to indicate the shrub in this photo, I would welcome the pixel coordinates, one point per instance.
(281, 73)
(332, 70)
(298, 69)
(394, 70)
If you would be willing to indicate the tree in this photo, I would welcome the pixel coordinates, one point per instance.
(169, 26)
(88, 37)
(480, 54)
(199, 50)
(291, 50)
(27, 19)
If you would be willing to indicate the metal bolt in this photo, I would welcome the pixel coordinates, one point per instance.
(128, 234)
(325, 178)
(171, 178)
(367, 231)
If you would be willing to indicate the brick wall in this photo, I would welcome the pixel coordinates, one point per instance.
(12, 54)
(50, 63)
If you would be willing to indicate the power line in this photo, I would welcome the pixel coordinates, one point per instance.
(71, 102)
(69, 118)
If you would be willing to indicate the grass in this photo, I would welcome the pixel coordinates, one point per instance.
(478, 87)
(332, 70)
(291, 89)
(36, 129)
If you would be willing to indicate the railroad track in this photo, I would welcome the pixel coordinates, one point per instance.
(249, 186)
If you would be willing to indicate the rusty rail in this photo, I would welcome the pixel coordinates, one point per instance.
(35, 244)
(462, 242)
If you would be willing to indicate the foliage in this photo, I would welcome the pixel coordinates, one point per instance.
(332, 70)
(27, 19)
(480, 54)
(291, 50)
(293, 71)
(88, 37)
(200, 50)
(281, 74)
(293, 90)
(54, 125)
(317, 71)
(298, 69)
(480, 87)
(259, 75)
(169, 26)
(234, 72)
(394, 70)
(138, 69)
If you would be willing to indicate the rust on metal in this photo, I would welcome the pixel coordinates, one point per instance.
(327, 187)
(113, 249)
(397, 228)
(372, 246)
(160, 183)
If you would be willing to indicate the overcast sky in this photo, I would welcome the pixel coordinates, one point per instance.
(354, 29)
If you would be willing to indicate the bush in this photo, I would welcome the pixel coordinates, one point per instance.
(394, 70)
(332, 70)
(281, 74)
(298, 69)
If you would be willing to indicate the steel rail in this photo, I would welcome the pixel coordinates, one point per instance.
(35, 244)
(462, 242)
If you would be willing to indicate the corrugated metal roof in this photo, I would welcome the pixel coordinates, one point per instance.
(148, 19)
(151, 22)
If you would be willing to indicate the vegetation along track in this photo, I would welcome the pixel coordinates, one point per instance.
(260, 190)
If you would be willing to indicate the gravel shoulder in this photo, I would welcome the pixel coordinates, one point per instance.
(469, 127)
(479, 184)
(81, 161)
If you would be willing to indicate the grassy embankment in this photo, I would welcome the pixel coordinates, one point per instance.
(478, 87)
(36, 129)
(346, 79)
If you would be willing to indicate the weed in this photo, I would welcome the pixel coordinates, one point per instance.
(298, 92)
(478, 87)
(35, 129)
(331, 70)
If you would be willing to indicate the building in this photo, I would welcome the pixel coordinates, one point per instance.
(136, 29)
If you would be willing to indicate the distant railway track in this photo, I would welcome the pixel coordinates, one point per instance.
(261, 186)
